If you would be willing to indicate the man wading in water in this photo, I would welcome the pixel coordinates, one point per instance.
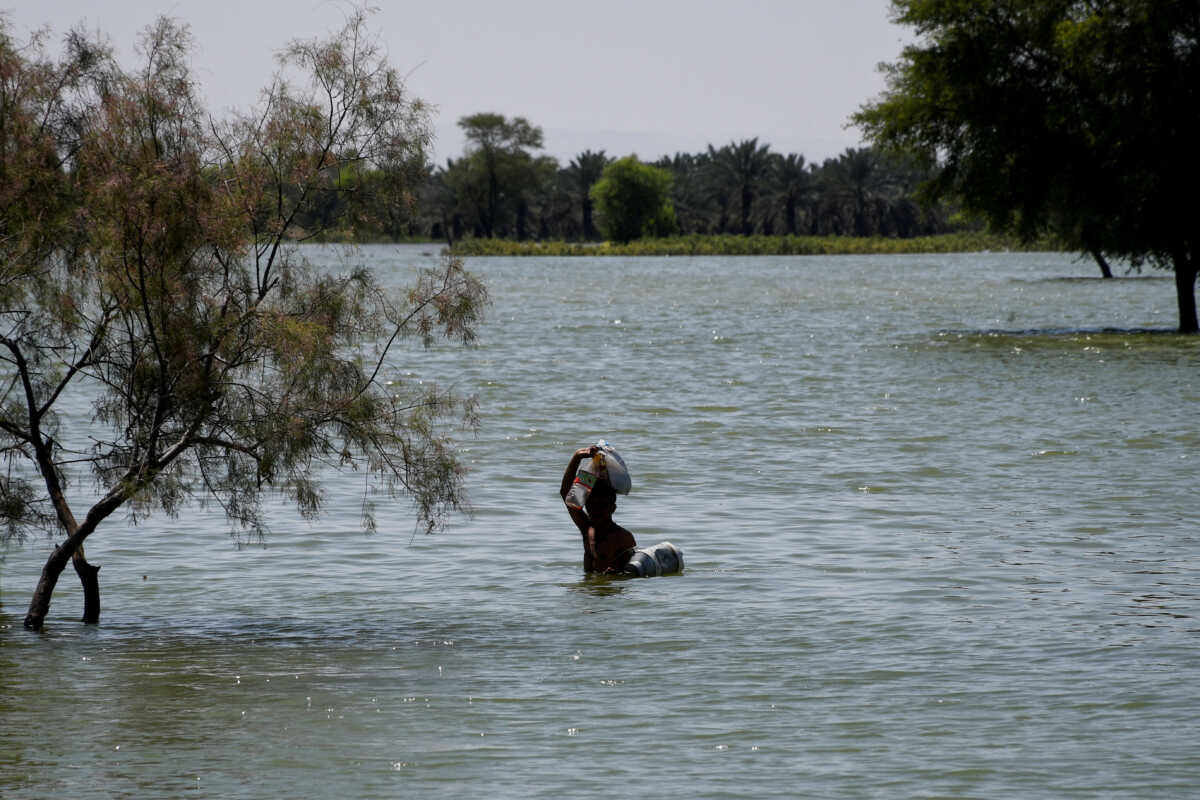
(607, 546)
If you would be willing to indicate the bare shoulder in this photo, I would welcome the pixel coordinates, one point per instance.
(623, 537)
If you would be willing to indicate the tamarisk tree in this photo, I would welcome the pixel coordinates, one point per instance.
(149, 270)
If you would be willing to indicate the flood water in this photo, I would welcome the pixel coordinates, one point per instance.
(939, 515)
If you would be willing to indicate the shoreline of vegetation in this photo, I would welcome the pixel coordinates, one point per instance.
(734, 245)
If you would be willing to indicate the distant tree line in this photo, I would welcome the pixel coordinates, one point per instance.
(501, 187)
(504, 187)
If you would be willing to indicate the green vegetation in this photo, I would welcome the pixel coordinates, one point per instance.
(732, 245)
(493, 187)
(147, 270)
(580, 176)
(634, 200)
(1073, 118)
(741, 188)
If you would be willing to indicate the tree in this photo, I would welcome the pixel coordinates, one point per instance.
(691, 197)
(582, 173)
(501, 148)
(443, 200)
(635, 200)
(859, 180)
(742, 169)
(1075, 118)
(551, 198)
(793, 185)
(39, 131)
(535, 191)
(218, 365)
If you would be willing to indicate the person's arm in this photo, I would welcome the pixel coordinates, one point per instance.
(577, 515)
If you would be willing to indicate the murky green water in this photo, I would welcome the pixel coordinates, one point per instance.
(940, 521)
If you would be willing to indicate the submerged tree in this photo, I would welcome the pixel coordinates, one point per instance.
(150, 272)
(1076, 118)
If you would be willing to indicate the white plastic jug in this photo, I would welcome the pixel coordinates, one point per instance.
(585, 479)
(663, 558)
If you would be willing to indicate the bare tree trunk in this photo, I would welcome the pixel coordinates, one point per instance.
(1104, 270)
(589, 229)
(489, 224)
(522, 220)
(91, 586)
(1185, 290)
(39, 604)
(71, 549)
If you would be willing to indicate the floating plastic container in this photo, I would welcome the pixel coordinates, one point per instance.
(663, 558)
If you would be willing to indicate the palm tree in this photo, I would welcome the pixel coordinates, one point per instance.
(794, 185)
(742, 168)
(693, 200)
(582, 173)
(859, 179)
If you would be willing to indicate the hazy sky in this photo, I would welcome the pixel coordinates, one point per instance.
(647, 76)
